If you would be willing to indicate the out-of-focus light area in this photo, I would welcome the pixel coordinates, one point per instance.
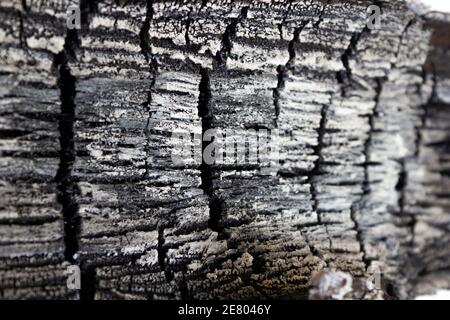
(439, 295)
(424, 6)
(438, 5)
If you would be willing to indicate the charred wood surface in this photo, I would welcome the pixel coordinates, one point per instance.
(86, 126)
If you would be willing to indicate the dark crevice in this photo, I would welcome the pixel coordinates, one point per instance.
(344, 77)
(216, 205)
(184, 291)
(359, 236)
(30, 221)
(402, 37)
(145, 45)
(227, 39)
(87, 7)
(317, 164)
(13, 133)
(161, 251)
(358, 205)
(67, 188)
(283, 70)
(280, 30)
(144, 36)
(322, 12)
(367, 144)
(400, 187)
(204, 112)
(280, 25)
(88, 283)
(162, 255)
(24, 5)
(282, 74)
(22, 38)
(186, 34)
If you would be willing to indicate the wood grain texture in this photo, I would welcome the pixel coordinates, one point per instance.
(87, 119)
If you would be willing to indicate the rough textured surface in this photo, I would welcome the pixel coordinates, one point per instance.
(87, 118)
(31, 222)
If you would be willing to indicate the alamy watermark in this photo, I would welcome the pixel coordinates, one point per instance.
(73, 280)
(237, 147)
(73, 17)
(374, 281)
(373, 17)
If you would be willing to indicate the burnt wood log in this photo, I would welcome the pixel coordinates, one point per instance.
(87, 174)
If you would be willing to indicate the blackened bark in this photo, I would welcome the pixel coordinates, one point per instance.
(86, 142)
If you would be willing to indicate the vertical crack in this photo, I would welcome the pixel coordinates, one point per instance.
(282, 71)
(216, 205)
(282, 75)
(146, 50)
(205, 113)
(344, 78)
(22, 41)
(24, 5)
(66, 185)
(283, 21)
(368, 142)
(188, 22)
(357, 205)
(162, 255)
(317, 150)
(88, 283)
(186, 34)
(401, 185)
(144, 36)
(184, 289)
(22, 11)
(227, 38)
(322, 12)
